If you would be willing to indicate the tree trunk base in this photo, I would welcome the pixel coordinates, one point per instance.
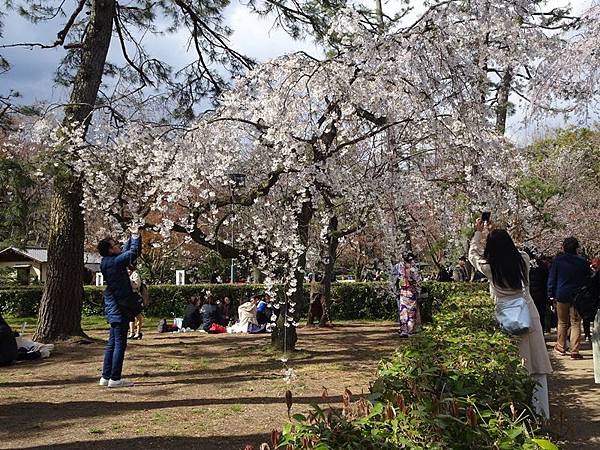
(284, 338)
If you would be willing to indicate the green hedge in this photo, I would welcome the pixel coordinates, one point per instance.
(458, 384)
(350, 301)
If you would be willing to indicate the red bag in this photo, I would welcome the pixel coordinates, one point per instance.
(216, 328)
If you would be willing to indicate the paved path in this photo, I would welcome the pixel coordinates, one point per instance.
(574, 401)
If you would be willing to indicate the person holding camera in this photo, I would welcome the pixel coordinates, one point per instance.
(113, 266)
(493, 252)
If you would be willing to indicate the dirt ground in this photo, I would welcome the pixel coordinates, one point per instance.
(222, 392)
(575, 401)
(192, 390)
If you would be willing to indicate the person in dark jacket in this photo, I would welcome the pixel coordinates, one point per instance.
(8, 344)
(538, 286)
(227, 312)
(114, 269)
(191, 316)
(569, 272)
(210, 313)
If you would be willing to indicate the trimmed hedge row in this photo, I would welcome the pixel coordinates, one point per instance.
(458, 384)
(350, 301)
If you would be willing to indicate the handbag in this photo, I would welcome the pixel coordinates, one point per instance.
(130, 306)
(513, 316)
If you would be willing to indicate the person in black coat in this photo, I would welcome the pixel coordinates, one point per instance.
(191, 316)
(227, 312)
(8, 344)
(538, 282)
(210, 313)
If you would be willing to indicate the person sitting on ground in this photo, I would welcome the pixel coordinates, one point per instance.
(263, 313)
(8, 344)
(210, 313)
(227, 312)
(247, 316)
(191, 316)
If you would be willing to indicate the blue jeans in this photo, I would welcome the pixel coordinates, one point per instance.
(115, 351)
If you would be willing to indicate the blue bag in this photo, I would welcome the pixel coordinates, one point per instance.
(513, 316)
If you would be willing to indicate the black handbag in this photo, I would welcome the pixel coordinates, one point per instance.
(131, 306)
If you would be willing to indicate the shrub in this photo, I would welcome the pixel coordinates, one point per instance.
(350, 301)
(457, 385)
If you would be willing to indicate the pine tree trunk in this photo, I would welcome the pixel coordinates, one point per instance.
(60, 309)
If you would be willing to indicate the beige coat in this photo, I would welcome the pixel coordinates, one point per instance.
(532, 346)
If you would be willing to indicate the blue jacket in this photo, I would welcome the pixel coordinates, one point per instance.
(114, 270)
(568, 274)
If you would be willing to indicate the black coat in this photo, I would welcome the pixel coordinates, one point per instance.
(538, 281)
(191, 317)
(227, 313)
(8, 344)
(210, 315)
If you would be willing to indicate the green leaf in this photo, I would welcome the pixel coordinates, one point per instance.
(545, 444)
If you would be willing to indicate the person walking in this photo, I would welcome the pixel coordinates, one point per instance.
(568, 274)
(406, 285)
(507, 271)
(135, 327)
(538, 286)
(588, 304)
(113, 266)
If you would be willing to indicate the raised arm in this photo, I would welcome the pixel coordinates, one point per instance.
(134, 247)
(476, 249)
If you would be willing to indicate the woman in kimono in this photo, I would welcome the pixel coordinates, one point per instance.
(507, 270)
(406, 284)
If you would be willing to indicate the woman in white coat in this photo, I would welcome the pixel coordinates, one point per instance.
(493, 252)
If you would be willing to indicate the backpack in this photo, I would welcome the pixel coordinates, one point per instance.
(587, 299)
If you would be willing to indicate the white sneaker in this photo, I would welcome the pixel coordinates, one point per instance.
(119, 383)
(103, 381)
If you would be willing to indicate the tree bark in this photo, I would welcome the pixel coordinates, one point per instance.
(503, 94)
(328, 263)
(60, 308)
(284, 338)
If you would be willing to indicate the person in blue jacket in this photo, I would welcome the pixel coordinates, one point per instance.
(568, 274)
(114, 269)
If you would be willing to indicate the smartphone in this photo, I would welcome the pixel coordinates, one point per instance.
(485, 216)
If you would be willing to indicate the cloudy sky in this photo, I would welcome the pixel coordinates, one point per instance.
(32, 70)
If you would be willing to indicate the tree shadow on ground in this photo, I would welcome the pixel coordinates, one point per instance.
(163, 442)
(48, 413)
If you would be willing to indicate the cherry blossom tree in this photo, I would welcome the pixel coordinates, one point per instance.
(394, 127)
